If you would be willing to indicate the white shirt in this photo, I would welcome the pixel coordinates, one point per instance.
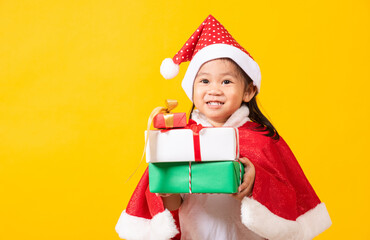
(214, 216)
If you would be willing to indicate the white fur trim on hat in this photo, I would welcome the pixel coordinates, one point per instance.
(161, 227)
(215, 51)
(169, 69)
(262, 221)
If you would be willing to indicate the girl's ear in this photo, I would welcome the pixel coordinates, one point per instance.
(249, 93)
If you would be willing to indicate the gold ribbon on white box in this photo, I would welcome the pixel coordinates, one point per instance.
(168, 118)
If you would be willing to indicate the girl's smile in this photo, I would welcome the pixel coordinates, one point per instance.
(219, 90)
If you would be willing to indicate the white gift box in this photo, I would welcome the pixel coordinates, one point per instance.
(177, 145)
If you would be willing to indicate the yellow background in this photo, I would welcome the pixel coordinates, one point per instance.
(79, 78)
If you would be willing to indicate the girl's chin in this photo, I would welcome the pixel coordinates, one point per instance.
(216, 120)
(216, 123)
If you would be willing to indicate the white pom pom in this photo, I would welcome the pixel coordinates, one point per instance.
(169, 69)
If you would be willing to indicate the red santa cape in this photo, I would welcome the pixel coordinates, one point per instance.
(145, 216)
(283, 204)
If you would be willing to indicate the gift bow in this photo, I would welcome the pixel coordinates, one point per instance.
(168, 116)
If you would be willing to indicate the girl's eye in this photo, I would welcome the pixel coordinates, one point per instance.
(204, 81)
(226, 82)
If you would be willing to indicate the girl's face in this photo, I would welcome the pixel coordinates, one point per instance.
(219, 90)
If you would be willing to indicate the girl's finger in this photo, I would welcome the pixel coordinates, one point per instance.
(247, 183)
(242, 186)
(163, 194)
(246, 192)
(248, 166)
(247, 179)
(245, 189)
(241, 195)
(245, 161)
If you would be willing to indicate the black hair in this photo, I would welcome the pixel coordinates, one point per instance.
(257, 116)
(255, 113)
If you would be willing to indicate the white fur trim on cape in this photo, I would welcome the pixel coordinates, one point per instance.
(268, 225)
(161, 227)
(237, 119)
(215, 51)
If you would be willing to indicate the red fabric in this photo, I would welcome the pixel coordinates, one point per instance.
(196, 129)
(143, 203)
(209, 32)
(179, 120)
(175, 215)
(280, 183)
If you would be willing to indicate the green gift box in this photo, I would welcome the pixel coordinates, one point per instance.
(206, 177)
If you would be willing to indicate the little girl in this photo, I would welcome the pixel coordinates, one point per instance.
(274, 201)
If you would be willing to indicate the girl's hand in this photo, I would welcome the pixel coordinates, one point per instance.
(164, 194)
(246, 188)
(171, 201)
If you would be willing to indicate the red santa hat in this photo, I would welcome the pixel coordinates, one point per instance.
(210, 41)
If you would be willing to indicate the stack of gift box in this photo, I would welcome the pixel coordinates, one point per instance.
(190, 158)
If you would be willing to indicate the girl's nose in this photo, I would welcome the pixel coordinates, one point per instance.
(214, 91)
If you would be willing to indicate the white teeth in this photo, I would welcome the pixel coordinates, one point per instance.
(214, 103)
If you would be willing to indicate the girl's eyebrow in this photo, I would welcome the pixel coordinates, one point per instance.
(202, 73)
(223, 74)
(228, 73)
